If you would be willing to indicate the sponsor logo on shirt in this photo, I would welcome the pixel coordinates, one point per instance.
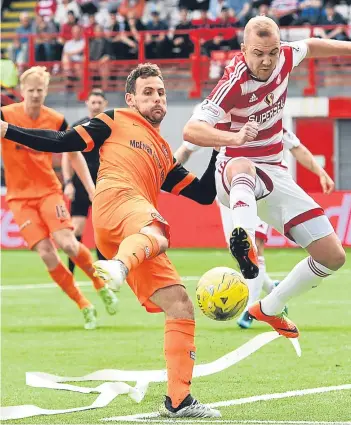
(266, 116)
(141, 145)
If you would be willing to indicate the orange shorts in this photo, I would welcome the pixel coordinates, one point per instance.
(38, 218)
(118, 213)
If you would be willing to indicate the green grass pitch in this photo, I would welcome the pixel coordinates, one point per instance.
(42, 331)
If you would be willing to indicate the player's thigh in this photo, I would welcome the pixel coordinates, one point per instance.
(79, 223)
(27, 216)
(54, 212)
(116, 216)
(151, 276)
(223, 185)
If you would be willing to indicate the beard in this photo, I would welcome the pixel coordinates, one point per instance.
(150, 117)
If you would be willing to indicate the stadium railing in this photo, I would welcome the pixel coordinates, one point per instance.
(195, 74)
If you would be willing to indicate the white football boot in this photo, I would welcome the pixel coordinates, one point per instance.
(112, 272)
(188, 408)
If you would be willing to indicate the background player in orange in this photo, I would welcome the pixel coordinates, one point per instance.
(74, 189)
(35, 197)
(135, 163)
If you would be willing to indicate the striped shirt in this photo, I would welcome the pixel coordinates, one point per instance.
(239, 98)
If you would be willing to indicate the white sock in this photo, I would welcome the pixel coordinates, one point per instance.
(307, 274)
(227, 221)
(268, 284)
(255, 288)
(243, 203)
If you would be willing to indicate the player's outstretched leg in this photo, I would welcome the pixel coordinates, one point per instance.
(133, 250)
(180, 354)
(306, 275)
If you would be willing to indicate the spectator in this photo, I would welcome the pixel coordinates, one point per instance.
(203, 22)
(18, 51)
(136, 7)
(121, 46)
(66, 29)
(309, 11)
(73, 53)
(46, 7)
(90, 27)
(61, 15)
(103, 14)
(182, 45)
(264, 10)
(133, 26)
(194, 4)
(225, 19)
(156, 44)
(44, 43)
(285, 11)
(241, 10)
(100, 55)
(89, 7)
(331, 17)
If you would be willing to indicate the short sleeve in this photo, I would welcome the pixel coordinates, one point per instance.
(191, 147)
(299, 51)
(290, 140)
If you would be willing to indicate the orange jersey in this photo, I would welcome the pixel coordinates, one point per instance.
(134, 155)
(29, 174)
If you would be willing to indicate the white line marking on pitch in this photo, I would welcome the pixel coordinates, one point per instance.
(86, 283)
(141, 417)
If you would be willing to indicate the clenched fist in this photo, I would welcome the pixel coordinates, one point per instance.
(248, 133)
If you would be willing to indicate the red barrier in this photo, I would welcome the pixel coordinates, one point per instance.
(199, 226)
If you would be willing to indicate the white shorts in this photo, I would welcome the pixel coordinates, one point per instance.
(281, 203)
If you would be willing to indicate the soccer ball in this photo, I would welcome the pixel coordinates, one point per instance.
(222, 293)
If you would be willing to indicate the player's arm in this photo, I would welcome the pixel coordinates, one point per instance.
(180, 182)
(324, 48)
(80, 138)
(67, 174)
(304, 157)
(184, 152)
(307, 160)
(80, 166)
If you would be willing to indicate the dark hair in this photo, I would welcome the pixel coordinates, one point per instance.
(143, 70)
(97, 92)
(264, 33)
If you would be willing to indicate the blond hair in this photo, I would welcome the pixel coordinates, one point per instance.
(38, 71)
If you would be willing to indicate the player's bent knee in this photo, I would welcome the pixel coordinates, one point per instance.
(70, 246)
(337, 258)
(240, 166)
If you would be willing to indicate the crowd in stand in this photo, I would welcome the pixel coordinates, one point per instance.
(114, 27)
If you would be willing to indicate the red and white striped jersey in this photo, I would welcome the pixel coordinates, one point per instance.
(239, 97)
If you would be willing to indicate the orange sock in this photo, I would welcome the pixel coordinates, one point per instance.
(180, 356)
(84, 261)
(64, 278)
(136, 248)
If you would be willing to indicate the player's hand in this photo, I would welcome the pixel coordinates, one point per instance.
(3, 126)
(69, 191)
(327, 183)
(248, 133)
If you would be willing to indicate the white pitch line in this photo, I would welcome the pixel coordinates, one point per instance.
(141, 417)
(88, 283)
(229, 421)
(234, 422)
